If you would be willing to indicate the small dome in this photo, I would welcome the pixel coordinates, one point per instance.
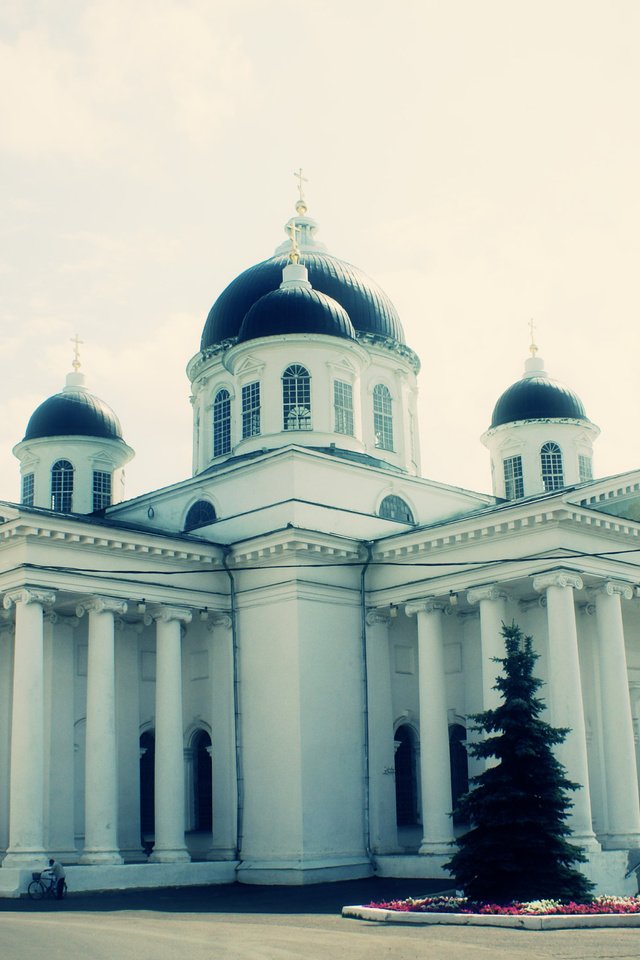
(368, 307)
(537, 398)
(73, 413)
(295, 309)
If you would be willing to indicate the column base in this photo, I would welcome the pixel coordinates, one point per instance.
(620, 841)
(101, 857)
(178, 855)
(23, 859)
(222, 853)
(437, 848)
(588, 841)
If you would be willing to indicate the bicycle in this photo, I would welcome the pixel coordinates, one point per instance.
(44, 885)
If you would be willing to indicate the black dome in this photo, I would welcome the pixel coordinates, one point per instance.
(295, 309)
(73, 413)
(537, 398)
(368, 307)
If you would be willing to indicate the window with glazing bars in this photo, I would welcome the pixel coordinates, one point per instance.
(28, 489)
(551, 464)
(62, 486)
(101, 489)
(585, 468)
(395, 508)
(296, 398)
(221, 423)
(513, 480)
(251, 410)
(343, 407)
(382, 417)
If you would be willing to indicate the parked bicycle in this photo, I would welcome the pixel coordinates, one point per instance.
(44, 885)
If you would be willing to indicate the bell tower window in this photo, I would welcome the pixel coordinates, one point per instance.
(551, 464)
(28, 489)
(296, 398)
(101, 489)
(251, 410)
(585, 468)
(513, 479)
(343, 407)
(395, 508)
(62, 486)
(382, 417)
(221, 423)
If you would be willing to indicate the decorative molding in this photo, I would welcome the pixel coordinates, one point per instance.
(613, 588)
(378, 615)
(167, 614)
(28, 595)
(557, 578)
(489, 591)
(525, 604)
(102, 605)
(221, 619)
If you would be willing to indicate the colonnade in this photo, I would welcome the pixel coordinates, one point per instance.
(27, 835)
(563, 693)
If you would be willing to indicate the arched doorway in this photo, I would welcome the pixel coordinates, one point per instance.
(202, 782)
(406, 777)
(147, 789)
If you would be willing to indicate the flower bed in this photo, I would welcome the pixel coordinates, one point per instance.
(461, 905)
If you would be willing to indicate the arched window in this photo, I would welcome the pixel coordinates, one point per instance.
(221, 423)
(202, 781)
(406, 776)
(382, 417)
(200, 514)
(459, 765)
(551, 463)
(62, 486)
(296, 398)
(394, 508)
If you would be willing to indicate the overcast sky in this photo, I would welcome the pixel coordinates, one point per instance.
(479, 158)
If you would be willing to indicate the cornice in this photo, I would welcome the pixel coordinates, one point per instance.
(295, 543)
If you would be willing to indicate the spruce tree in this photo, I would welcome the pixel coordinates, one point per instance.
(517, 847)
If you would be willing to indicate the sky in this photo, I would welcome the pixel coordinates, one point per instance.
(480, 159)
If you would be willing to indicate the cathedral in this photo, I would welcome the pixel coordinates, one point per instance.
(264, 673)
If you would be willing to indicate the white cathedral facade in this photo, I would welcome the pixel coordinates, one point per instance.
(264, 673)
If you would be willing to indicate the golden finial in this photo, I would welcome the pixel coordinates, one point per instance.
(301, 204)
(532, 346)
(76, 341)
(294, 253)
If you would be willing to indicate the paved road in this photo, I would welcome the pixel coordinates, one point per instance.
(267, 923)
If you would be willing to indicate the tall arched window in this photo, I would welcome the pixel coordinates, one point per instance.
(221, 423)
(62, 486)
(296, 398)
(394, 508)
(406, 776)
(551, 463)
(200, 514)
(202, 781)
(459, 765)
(382, 417)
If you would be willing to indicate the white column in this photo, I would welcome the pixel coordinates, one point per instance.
(224, 842)
(383, 828)
(491, 600)
(6, 680)
(26, 791)
(623, 803)
(435, 771)
(565, 694)
(59, 750)
(169, 845)
(101, 772)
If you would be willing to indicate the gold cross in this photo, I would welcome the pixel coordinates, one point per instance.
(532, 346)
(294, 253)
(76, 341)
(301, 180)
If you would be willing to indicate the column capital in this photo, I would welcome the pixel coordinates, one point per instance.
(28, 595)
(613, 588)
(221, 619)
(488, 591)
(557, 578)
(158, 612)
(101, 605)
(378, 615)
(426, 605)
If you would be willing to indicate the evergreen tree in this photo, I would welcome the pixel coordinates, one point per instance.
(517, 846)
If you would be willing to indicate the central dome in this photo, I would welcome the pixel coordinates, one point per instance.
(368, 307)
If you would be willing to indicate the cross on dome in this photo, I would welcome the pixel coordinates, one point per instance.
(301, 205)
(76, 341)
(533, 349)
